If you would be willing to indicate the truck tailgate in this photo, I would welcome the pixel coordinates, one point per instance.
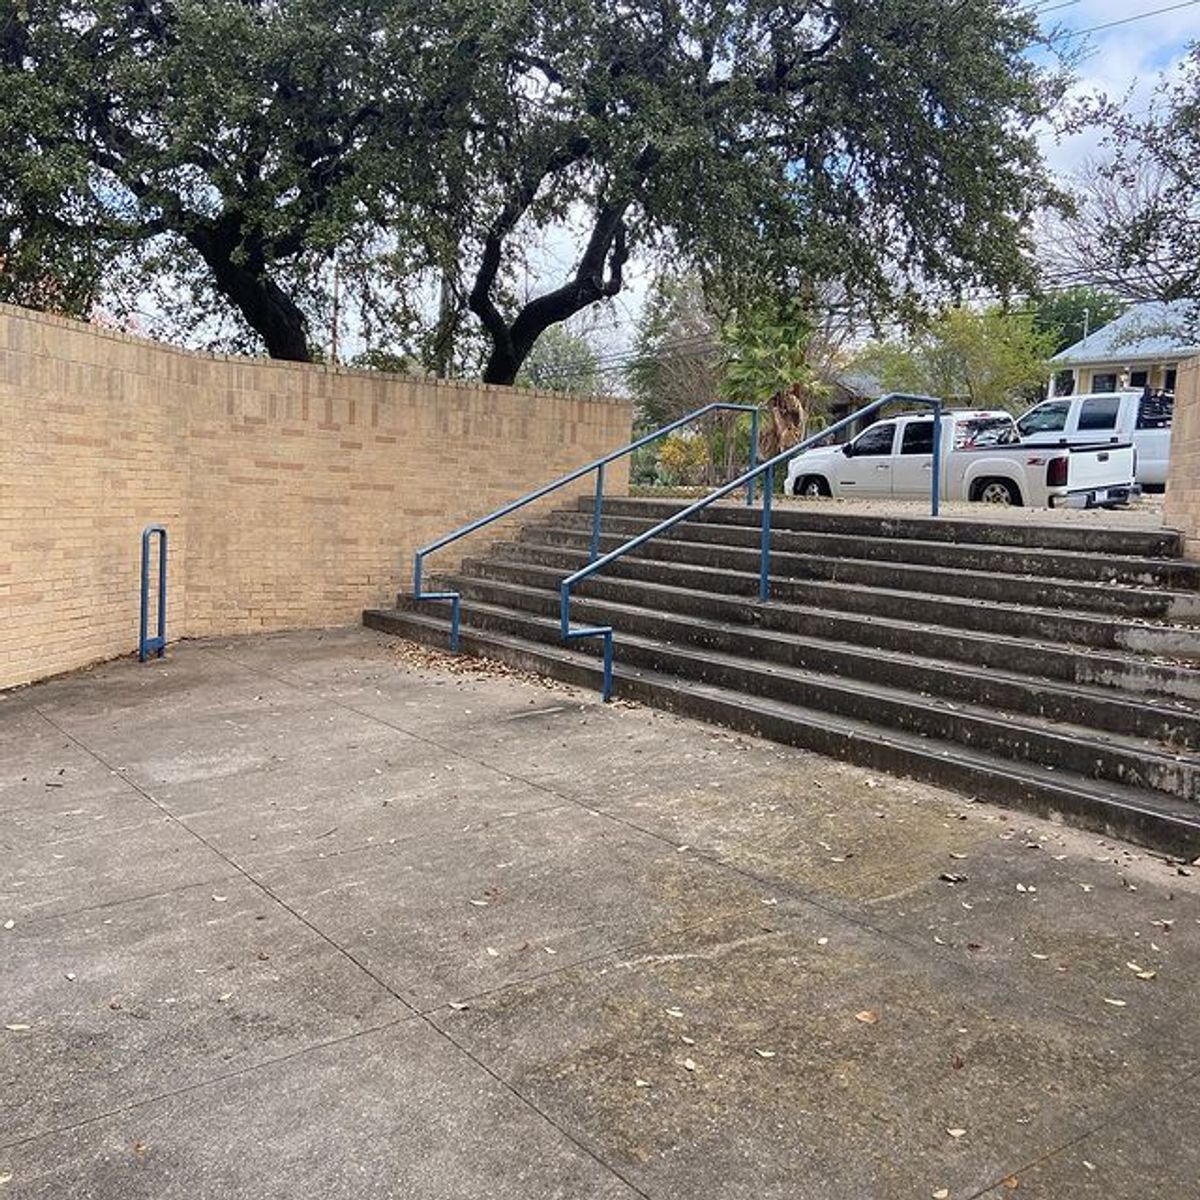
(1093, 467)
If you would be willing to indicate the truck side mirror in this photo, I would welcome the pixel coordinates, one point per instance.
(848, 449)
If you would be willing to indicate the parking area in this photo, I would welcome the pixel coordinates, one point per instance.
(1144, 513)
(325, 914)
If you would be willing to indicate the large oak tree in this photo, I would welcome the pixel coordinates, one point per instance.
(882, 147)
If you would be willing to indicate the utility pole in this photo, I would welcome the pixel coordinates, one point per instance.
(1087, 317)
(333, 326)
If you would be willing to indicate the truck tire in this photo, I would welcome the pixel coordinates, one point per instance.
(812, 486)
(997, 491)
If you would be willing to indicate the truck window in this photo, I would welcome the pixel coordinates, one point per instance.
(876, 440)
(981, 432)
(917, 438)
(1100, 412)
(1155, 411)
(1050, 417)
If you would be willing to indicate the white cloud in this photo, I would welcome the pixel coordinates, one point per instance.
(1126, 62)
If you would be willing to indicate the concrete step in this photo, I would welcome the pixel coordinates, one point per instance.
(1083, 536)
(1092, 567)
(1151, 604)
(1172, 724)
(1123, 759)
(1039, 624)
(1154, 818)
(981, 651)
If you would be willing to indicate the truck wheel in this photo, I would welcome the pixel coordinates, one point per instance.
(998, 491)
(812, 486)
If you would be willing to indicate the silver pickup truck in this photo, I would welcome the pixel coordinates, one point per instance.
(1143, 418)
(982, 458)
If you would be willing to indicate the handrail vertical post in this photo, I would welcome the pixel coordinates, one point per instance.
(753, 480)
(574, 635)
(764, 557)
(162, 594)
(936, 482)
(597, 509)
(144, 622)
(564, 609)
(157, 644)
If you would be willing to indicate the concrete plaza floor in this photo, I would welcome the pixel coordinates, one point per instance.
(315, 915)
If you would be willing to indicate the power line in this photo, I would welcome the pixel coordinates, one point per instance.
(1042, 9)
(1156, 12)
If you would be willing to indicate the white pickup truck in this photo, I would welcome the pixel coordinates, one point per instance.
(982, 459)
(1130, 416)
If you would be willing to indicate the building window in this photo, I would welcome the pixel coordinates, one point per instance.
(1169, 380)
(1139, 379)
(1064, 383)
(1104, 383)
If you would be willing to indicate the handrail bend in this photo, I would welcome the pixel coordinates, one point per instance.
(766, 469)
(598, 466)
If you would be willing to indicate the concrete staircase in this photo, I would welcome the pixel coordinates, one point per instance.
(1052, 667)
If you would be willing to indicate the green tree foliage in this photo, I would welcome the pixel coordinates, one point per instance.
(884, 146)
(786, 142)
(987, 359)
(230, 146)
(1068, 315)
(769, 352)
(678, 357)
(561, 361)
(782, 359)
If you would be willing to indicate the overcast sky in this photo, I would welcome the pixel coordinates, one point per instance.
(1134, 55)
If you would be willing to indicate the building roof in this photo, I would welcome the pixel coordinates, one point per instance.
(859, 383)
(1154, 329)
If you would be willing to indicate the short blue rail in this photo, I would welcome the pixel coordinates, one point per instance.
(765, 469)
(598, 466)
(148, 645)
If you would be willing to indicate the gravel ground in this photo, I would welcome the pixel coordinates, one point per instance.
(1146, 513)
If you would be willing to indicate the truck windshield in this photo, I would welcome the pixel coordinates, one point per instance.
(978, 432)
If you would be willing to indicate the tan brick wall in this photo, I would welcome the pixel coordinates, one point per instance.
(1181, 508)
(294, 495)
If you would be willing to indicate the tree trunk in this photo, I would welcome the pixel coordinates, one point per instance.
(787, 422)
(268, 309)
(598, 276)
(503, 362)
(441, 350)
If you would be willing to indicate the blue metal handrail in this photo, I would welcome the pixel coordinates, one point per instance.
(157, 644)
(766, 469)
(596, 465)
